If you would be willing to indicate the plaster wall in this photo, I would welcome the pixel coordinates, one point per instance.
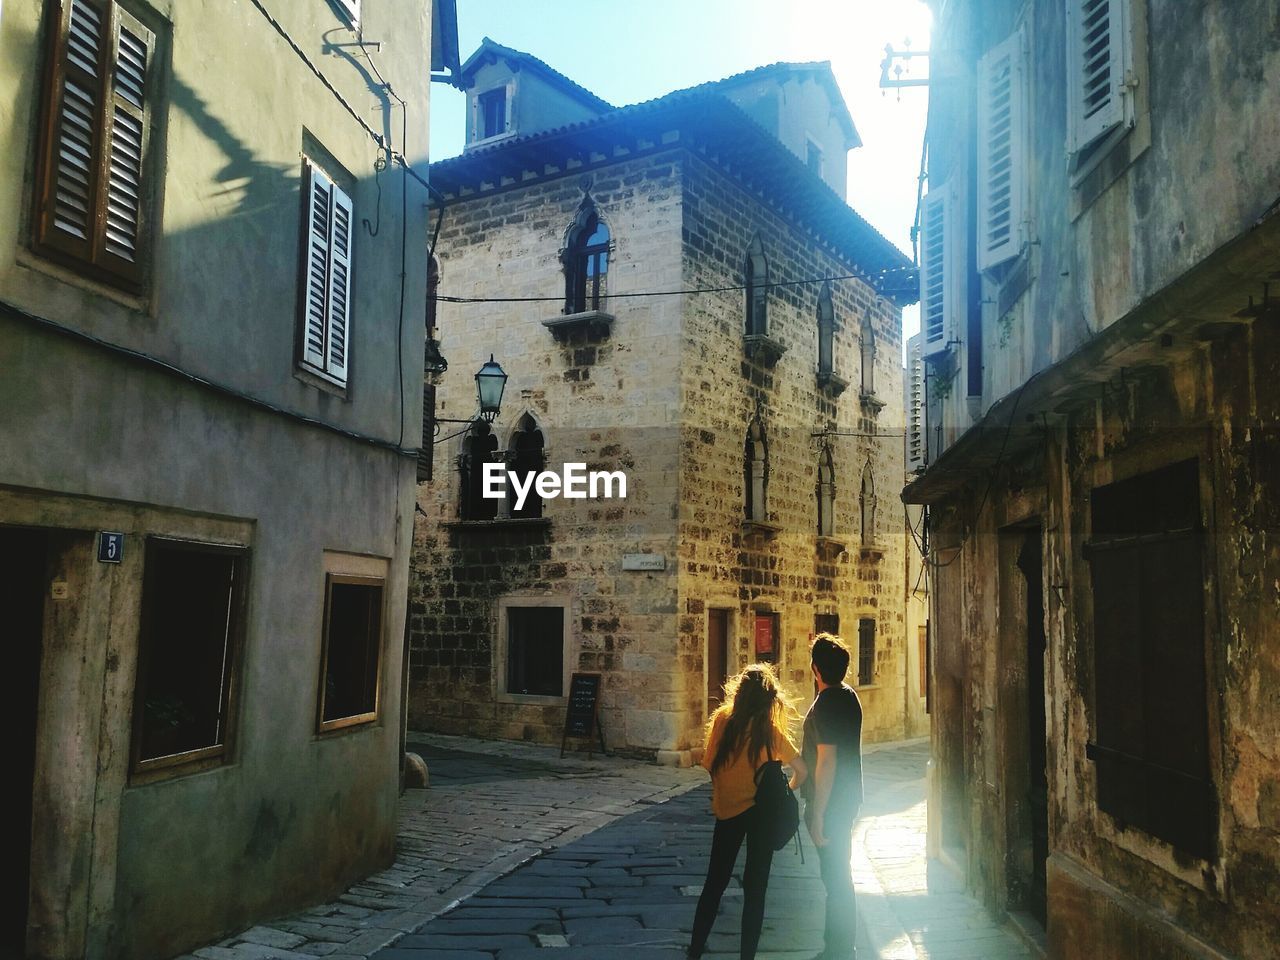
(93, 440)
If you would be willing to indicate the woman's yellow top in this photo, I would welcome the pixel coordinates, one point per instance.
(733, 786)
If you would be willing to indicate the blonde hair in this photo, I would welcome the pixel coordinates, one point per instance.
(754, 708)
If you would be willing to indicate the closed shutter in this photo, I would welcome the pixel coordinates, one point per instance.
(935, 271)
(92, 188)
(1001, 153)
(315, 270)
(339, 346)
(1096, 46)
(427, 450)
(126, 142)
(352, 10)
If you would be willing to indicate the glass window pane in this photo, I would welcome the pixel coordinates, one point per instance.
(353, 637)
(186, 650)
(535, 651)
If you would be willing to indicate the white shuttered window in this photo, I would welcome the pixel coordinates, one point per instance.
(326, 277)
(936, 270)
(1098, 58)
(1002, 155)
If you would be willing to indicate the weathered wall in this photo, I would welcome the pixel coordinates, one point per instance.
(723, 564)
(608, 400)
(94, 441)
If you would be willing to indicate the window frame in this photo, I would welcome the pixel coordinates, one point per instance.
(340, 195)
(216, 755)
(1101, 747)
(367, 718)
(502, 652)
(90, 258)
(939, 270)
(586, 290)
(867, 651)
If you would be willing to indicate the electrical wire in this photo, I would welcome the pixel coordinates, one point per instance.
(728, 288)
(165, 366)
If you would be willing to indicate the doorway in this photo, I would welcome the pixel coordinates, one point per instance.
(717, 657)
(23, 555)
(1031, 564)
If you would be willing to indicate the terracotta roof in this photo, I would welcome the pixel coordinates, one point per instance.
(490, 47)
(702, 119)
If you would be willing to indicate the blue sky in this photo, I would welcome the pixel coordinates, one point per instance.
(631, 51)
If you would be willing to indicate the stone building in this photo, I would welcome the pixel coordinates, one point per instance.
(207, 438)
(1103, 463)
(698, 308)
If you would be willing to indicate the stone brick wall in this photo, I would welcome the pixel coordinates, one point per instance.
(789, 572)
(609, 400)
(665, 395)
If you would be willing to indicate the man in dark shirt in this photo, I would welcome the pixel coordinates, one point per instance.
(833, 792)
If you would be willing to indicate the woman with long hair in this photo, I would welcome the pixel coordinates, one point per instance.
(749, 728)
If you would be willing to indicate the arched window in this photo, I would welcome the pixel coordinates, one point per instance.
(826, 494)
(867, 506)
(586, 260)
(756, 280)
(826, 330)
(527, 460)
(479, 447)
(868, 344)
(756, 462)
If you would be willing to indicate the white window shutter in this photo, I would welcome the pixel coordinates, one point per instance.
(315, 281)
(1096, 61)
(1001, 152)
(339, 346)
(935, 270)
(352, 10)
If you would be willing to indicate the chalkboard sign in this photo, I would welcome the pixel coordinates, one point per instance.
(582, 717)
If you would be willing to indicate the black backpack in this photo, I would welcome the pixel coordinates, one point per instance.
(777, 805)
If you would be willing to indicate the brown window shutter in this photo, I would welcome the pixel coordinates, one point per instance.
(92, 194)
(72, 150)
(426, 451)
(121, 223)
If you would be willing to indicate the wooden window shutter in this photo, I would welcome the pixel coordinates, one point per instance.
(351, 8)
(1001, 154)
(427, 450)
(339, 346)
(935, 270)
(315, 270)
(92, 196)
(1096, 41)
(123, 213)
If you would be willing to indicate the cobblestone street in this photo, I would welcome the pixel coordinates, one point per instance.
(513, 851)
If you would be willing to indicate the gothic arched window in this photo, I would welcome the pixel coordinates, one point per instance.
(826, 330)
(756, 280)
(868, 345)
(756, 462)
(826, 494)
(479, 447)
(527, 460)
(586, 261)
(867, 506)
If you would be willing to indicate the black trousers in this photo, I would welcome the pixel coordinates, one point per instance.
(725, 844)
(837, 878)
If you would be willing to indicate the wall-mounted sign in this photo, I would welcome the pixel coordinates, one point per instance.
(644, 561)
(110, 547)
(766, 638)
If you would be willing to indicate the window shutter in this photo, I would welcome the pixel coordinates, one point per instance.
(935, 271)
(1001, 159)
(69, 189)
(339, 347)
(126, 142)
(1095, 68)
(315, 270)
(427, 450)
(351, 8)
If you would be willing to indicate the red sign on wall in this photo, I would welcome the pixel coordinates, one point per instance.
(766, 642)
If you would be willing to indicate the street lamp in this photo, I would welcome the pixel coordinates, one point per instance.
(491, 380)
